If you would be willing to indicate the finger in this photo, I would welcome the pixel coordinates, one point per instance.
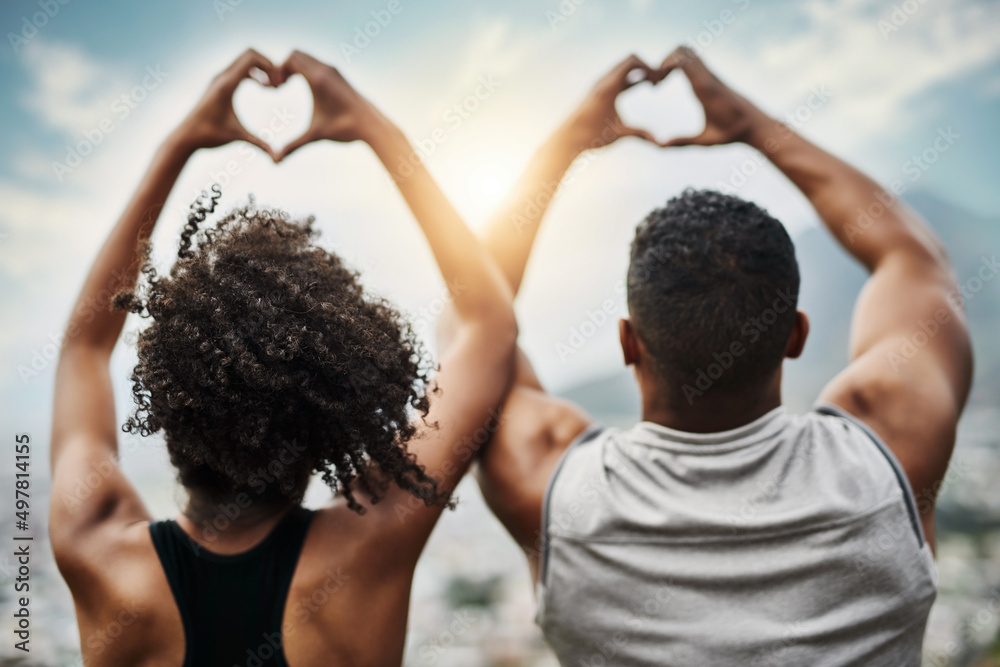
(242, 68)
(696, 140)
(294, 145)
(623, 72)
(685, 58)
(299, 62)
(627, 131)
(676, 58)
(244, 135)
(254, 60)
(294, 63)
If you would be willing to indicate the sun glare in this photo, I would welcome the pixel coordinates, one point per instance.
(489, 180)
(478, 183)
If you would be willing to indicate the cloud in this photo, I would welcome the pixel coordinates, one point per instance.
(876, 58)
(70, 90)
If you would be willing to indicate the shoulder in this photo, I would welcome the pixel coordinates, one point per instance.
(121, 592)
(916, 417)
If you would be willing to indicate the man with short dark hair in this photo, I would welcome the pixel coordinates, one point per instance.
(721, 530)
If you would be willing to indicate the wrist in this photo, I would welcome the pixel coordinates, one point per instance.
(388, 143)
(377, 130)
(764, 133)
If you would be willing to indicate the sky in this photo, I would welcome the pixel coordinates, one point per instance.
(92, 88)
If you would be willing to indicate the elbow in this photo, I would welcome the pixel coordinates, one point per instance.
(507, 331)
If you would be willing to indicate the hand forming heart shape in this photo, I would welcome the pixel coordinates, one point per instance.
(596, 121)
(664, 109)
(340, 113)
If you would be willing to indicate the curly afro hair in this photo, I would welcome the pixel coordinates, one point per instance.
(266, 362)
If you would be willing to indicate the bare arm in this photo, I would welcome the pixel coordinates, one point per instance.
(912, 403)
(515, 467)
(84, 442)
(475, 368)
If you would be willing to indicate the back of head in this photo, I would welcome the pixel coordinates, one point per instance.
(265, 361)
(712, 289)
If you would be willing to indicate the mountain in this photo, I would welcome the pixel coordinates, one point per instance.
(831, 280)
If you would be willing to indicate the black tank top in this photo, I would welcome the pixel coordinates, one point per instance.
(232, 605)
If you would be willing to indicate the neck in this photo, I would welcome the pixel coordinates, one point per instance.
(233, 513)
(708, 413)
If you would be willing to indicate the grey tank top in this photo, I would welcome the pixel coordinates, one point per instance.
(792, 540)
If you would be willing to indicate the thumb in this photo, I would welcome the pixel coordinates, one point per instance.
(295, 145)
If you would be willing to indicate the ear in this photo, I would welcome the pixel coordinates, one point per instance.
(797, 339)
(630, 342)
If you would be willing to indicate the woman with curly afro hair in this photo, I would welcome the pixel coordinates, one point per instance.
(264, 364)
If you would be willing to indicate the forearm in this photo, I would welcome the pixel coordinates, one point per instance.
(511, 232)
(869, 221)
(478, 291)
(116, 267)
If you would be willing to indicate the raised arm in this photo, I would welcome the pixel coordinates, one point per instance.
(913, 401)
(475, 367)
(516, 466)
(84, 443)
(595, 123)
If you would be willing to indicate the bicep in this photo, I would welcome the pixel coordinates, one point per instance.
(911, 367)
(88, 486)
(516, 466)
